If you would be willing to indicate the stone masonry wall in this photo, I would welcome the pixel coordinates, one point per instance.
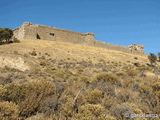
(30, 31)
(34, 31)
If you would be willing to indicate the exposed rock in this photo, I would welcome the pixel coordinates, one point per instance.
(136, 48)
(14, 62)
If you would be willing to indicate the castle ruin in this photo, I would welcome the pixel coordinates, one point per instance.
(34, 31)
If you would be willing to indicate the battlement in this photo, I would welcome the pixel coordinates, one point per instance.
(34, 31)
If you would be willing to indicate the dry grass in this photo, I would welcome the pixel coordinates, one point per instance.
(109, 81)
(60, 50)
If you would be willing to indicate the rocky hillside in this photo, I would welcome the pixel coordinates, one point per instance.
(54, 80)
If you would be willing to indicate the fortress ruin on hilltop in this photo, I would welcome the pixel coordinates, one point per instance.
(34, 31)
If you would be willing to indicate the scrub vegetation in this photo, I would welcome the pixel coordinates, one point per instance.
(80, 84)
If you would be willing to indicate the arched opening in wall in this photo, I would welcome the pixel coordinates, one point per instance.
(37, 36)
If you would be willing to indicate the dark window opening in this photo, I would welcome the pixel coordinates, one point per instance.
(51, 34)
(38, 37)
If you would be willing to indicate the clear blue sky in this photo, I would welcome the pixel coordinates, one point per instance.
(121, 22)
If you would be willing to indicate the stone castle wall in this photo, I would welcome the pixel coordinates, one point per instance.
(33, 31)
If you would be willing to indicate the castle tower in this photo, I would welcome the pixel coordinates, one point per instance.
(89, 38)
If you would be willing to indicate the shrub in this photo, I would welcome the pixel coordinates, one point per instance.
(106, 117)
(119, 111)
(15, 40)
(15, 52)
(134, 86)
(145, 89)
(125, 95)
(137, 64)
(108, 101)
(8, 111)
(135, 58)
(35, 71)
(157, 94)
(85, 79)
(47, 54)
(94, 96)
(132, 72)
(15, 93)
(62, 74)
(128, 81)
(33, 101)
(89, 111)
(29, 96)
(25, 55)
(6, 80)
(156, 86)
(106, 77)
(150, 100)
(49, 106)
(42, 63)
(152, 58)
(121, 74)
(50, 70)
(105, 87)
(33, 53)
(134, 108)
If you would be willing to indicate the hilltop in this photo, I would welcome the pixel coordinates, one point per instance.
(53, 79)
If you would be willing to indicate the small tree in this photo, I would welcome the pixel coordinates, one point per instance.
(159, 56)
(8, 33)
(152, 58)
(5, 34)
(1, 37)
